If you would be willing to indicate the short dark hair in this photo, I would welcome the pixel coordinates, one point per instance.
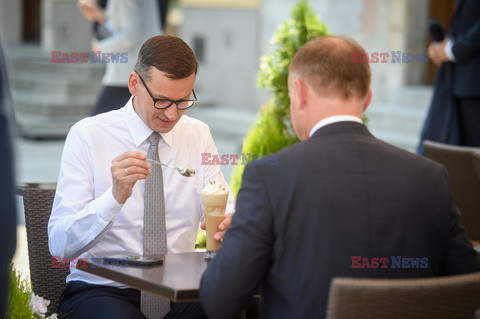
(325, 63)
(168, 54)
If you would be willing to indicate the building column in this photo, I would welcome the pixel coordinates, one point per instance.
(63, 27)
(11, 22)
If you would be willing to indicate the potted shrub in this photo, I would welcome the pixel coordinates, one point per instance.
(272, 129)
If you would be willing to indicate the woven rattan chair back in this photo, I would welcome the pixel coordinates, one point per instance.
(440, 297)
(47, 281)
(463, 166)
(476, 161)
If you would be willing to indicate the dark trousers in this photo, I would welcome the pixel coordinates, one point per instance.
(81, 300)
(111, 98)
(469, 114)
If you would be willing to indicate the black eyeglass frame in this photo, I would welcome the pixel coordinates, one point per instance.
(155, 100)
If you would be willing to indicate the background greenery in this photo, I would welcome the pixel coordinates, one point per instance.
(272, 130)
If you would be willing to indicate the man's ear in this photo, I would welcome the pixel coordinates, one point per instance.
(301, 93)
(133, 83)
(368, 99)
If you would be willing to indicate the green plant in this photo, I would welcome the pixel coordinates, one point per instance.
(201, 242)
(20, 290)
(22, 302)
(272, 129)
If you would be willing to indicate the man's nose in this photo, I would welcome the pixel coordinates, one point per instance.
(172, 112)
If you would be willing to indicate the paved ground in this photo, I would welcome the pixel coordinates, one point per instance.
(36, 162)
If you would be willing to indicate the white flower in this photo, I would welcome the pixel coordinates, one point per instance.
(39, 305)
(53, 316)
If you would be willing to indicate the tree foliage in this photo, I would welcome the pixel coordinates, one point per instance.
(272, 130)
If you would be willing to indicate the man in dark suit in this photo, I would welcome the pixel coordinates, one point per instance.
(8, 221)
(462, 46)
(339, 203)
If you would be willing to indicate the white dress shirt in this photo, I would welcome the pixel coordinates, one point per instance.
(88, 222)
(449, 52)
(334, 119)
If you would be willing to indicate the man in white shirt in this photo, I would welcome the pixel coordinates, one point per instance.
(99, 204)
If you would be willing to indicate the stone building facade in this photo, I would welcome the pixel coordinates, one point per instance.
(229, 38)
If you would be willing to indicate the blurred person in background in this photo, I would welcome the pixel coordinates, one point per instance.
(462, 47)
(163, 6)
(8, 217)
(124, 25)
(99, 30)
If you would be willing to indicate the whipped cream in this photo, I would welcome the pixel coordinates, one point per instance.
(212, 188)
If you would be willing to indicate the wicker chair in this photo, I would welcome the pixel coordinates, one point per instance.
(463, 166)
(48, 282)
(440, 297)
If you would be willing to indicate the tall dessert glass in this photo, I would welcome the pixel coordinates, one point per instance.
(214, 201)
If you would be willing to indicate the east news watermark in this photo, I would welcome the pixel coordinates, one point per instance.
(82, 263)
(238, 159)
(397, 262)
(394, 57)
(89, 57)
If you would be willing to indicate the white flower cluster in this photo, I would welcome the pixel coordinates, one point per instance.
(39, 306)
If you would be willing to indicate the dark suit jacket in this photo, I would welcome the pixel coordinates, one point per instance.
(8, 221)
(442, 123)
(339, 194)
(465, 31)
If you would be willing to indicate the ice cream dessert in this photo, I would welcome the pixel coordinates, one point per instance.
(214, 200)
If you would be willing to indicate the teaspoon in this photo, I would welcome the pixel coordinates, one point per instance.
(183, 170)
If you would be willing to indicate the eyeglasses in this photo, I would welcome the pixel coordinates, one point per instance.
(163, 104)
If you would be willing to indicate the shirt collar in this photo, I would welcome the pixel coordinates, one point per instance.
(334, 119)
(137, 127)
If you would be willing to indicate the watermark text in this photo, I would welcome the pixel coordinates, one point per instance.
(238, 159)
(392, 57)
(59, 262)
(89, 57)
(386, 262)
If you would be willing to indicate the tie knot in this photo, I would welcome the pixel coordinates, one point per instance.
(154, 138)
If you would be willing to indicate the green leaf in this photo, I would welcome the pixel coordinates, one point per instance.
(18, 297)
(201, 242)
(272, 130)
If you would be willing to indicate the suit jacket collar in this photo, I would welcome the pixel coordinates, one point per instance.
(342, 127)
